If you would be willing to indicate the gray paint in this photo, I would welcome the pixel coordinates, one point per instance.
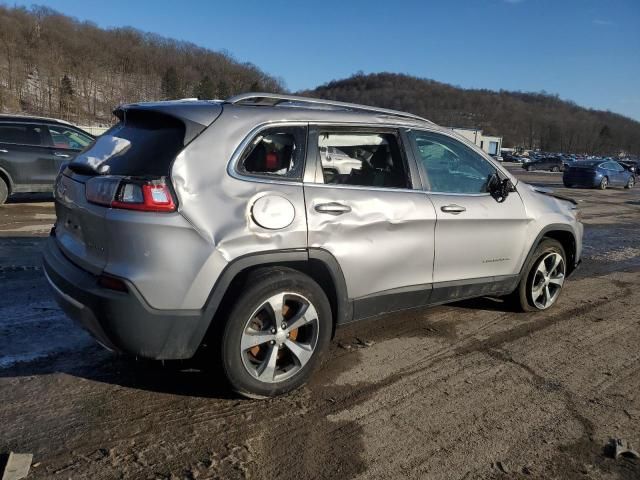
(389, 239)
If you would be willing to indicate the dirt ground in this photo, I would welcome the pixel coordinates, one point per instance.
(470, 390)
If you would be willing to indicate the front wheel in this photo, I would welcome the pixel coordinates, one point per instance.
(276, 333)
(630, 183)
(543, 277)
(555, 169)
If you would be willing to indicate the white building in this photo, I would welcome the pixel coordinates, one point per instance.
(489, 144)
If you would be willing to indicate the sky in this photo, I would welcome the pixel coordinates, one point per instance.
(587, 51)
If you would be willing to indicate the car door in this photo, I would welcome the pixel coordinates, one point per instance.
(479, 243)
(612, 173)
(371, 216)
(622, 177)
(25, 153)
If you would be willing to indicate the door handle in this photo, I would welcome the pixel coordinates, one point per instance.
(2, 150)
(454, 209)
(333, 208)
(61, 155)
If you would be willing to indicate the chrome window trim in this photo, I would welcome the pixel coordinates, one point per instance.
(364, 187)
(232, 165)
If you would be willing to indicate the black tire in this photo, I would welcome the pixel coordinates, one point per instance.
(555, 169)
(4, 191)
(261, 285)
(604, 183)
(521, 297)
(630, 183)
(528, 168)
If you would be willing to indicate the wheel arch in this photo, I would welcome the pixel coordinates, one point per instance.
(318, 264)
(561, 233)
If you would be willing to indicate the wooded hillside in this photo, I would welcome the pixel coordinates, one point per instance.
(54, 65)
(530, 120)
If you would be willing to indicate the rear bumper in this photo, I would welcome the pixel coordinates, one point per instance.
(121, 321)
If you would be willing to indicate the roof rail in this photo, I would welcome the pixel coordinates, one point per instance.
(274, 99)
(35, 117)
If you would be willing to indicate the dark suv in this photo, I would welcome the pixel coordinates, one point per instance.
(32, 150)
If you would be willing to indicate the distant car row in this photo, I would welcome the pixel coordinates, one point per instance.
(32, 150)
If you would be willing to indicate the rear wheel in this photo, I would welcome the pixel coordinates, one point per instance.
(276, 333)
(555, 169)
(544, 277)
(630, 183)
(529, 168)
(4, 191)
(604, 183)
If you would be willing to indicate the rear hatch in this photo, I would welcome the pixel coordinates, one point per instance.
(142, 145)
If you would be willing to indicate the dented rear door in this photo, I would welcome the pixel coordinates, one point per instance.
(382, 238)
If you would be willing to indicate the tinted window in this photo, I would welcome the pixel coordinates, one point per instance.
(449, 165)
(24, 134)
(146, 144)
(276, 152)
(68, 138)
(366, 159)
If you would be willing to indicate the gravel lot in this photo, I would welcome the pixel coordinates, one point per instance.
(469, 390)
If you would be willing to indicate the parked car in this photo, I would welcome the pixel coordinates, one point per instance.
(32, 150)
(631, 165)
(218, 223)
(546, 163)
(598, 174)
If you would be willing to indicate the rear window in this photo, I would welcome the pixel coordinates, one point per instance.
(146, 143)
(24, 134)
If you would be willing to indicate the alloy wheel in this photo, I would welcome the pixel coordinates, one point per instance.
(280, 337)
(548, 280)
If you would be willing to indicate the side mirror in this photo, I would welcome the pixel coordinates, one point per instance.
(499, 189)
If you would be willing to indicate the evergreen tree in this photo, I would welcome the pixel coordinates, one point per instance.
(170, 86)
(205, 89)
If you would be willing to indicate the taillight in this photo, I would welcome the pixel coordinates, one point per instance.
(131, 193)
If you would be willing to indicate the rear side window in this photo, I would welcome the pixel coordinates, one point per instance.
(277, 152)
(24, 134)
(146, 143)
(364, 159)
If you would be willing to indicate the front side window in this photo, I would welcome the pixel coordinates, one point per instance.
(276, 152)
(68, 139)
(450, 166)
(364, 159)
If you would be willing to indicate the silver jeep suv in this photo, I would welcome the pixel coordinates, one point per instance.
(259, 224)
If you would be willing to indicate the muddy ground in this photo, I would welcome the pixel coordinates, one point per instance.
(470, 390)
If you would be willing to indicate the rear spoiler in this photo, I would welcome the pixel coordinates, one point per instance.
(551, 193)
(196, 115)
